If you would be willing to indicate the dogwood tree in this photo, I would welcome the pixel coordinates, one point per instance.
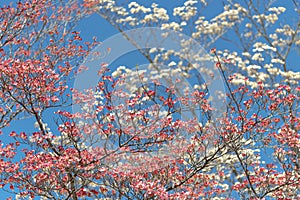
(189, 124)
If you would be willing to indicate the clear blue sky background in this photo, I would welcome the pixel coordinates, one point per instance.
(97, 26)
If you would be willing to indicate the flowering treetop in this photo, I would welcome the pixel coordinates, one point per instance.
(195, 122)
